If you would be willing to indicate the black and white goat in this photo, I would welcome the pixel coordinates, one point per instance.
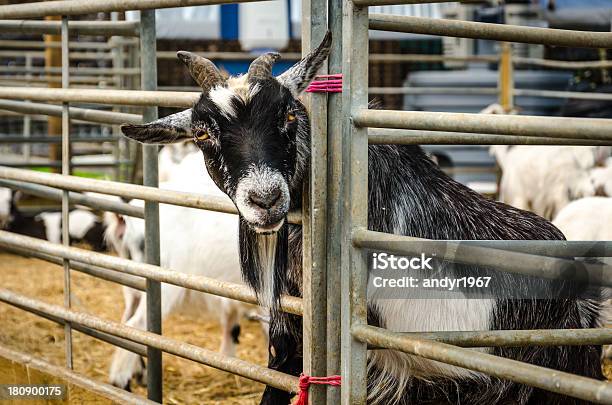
(254, 134)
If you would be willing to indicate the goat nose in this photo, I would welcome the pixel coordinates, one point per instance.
(265, 201)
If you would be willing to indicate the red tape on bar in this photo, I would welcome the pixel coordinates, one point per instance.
(306, 380)
(326, 84)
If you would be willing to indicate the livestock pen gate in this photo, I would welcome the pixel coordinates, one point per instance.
(334, 212)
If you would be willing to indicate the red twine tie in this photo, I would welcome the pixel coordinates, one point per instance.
(306, 380)
(326, 84)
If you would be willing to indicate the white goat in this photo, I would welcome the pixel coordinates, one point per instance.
(544, 179)
(192, 241)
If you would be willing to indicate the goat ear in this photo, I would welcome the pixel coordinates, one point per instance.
(171, 129)
(299, 76)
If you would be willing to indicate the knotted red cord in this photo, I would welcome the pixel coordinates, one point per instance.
(306, 380)
(326, 84)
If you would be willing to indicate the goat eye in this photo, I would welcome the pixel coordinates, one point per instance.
(201, 134)
(290, 117)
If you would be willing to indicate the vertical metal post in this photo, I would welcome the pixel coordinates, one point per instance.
(27, 119)
(314, 14)
(335, 213)
(66, 172)
(506, 78)
(148, 66)
(355, 178)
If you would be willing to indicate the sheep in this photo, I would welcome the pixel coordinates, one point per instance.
(84, 226)
(589, 219)
(601, 179)
(255, 136)
(544, 179)
(191, 241)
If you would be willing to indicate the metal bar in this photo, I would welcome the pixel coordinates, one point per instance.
(59, 164)
(524, 373)
(53, 44)
(208, 285)
(383, 136)
(208, 357)
(434, 90)
(65, 195)
(85, 114)
(517, 338)
(55, 139)
(124, 28)
(498, 32)
(27, 121)
(355, 176)
(498, 259)
(104, 337)
(363, 3)
(114, 394)
(75, 7)
(122, 97)
(75, 70)
(148, 82)
(76, 198)
(335, 204)
(560, 64)
(314, 208)
(137, 283)
(563, 94)
(74, 183)
(524, 125)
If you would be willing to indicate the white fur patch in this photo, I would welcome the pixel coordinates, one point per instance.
(222, 97)
(266, 254)
(262, 179)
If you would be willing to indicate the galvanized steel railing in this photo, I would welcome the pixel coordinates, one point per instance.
(358, 121)
(146, 277)
(334, 216)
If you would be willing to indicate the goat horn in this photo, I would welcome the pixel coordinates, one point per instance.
(203, 71)
(261, 68)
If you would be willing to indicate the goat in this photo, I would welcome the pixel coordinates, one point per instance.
(84, 226)
(191, 241)
(13, 220)
(544, 179)
(255, 136)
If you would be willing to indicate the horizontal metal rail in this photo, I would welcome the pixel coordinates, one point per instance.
(517, 371)
(137, 283)
(561, 64)
(188, 351)
(19, 44)
(518, 338)
(104, 337)
(74, 56)
(84, 114)
(98, 203)
(524, 125)
(123, 28)
(385, 136)
(114, 394)
(394, 2)
(498, 32)
(74, 183)
(498, 259)
(121, 97)
(72, 70)
(434, 90)
(76, 7)
(47, 163)
(208, 285)
(563, 94)
(56, 139)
